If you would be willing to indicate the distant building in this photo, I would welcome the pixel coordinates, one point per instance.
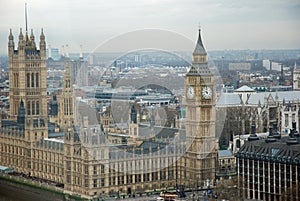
(53, 53)
(296, 78)
(267, 64)
(242, 66)
(275, 66)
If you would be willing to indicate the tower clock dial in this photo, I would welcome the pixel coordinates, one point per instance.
(206, 92)
(190, 93)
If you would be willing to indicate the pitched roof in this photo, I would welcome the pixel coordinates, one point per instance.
(229, 99)
(244, 89)
(225, 153)
(277, 149)
(199, 49)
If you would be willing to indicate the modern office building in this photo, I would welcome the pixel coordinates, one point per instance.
(269, 169)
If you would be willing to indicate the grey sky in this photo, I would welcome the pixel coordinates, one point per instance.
(226, 24)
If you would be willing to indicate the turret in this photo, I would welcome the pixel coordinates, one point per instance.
(42, 45)
(21, 41)
(292, 140)
(276, 133)
(11, 44)
(294, 126)
(253, 135)
(270, 137)
(32, 38)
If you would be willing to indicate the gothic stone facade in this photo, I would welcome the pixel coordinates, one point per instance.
(83, 160)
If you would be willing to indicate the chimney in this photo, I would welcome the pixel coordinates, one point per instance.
(292, 140)
(49, 51)
(294, 126)
(81, 55)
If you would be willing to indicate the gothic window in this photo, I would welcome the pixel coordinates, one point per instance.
(17, 80)
(37, 107)
(208, 114)
(70, 105)
(32, 79)
(95, 169)
(28, 80)
(28, 108)
(37, 80)
(65, 107)
(33, 108)
(286, 117)
(14, 78)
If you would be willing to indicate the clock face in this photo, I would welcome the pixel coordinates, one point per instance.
(206, 92)
(190, 93)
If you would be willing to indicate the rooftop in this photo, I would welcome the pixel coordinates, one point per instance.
(225, 153)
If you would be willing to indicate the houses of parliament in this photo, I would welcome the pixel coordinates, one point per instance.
(85, 160)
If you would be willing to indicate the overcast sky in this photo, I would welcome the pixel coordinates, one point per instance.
(225, 24)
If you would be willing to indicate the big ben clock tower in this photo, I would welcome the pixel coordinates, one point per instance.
(200, 160)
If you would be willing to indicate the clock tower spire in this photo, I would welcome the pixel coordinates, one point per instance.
(200, 160)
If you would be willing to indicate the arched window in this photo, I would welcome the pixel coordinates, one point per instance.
(32, 79)
(33, 108)
(28, 80)
(36, 80)
(17, 80)
(28, 108)
(37, 107)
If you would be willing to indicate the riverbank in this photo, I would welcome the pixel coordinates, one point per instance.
(20, 189)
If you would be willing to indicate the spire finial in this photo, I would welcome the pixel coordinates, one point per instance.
(199, 26)
(26, 16)
(42, 37)
(10, 35)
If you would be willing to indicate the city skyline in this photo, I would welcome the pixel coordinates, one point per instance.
(251, 25)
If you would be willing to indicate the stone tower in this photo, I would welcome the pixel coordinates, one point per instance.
(66, 101)
(200, 160)
(27, 76)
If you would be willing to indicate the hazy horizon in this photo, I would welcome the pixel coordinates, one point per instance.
(225, 25)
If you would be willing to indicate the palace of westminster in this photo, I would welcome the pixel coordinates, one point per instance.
(145, 157)
(84, 160)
